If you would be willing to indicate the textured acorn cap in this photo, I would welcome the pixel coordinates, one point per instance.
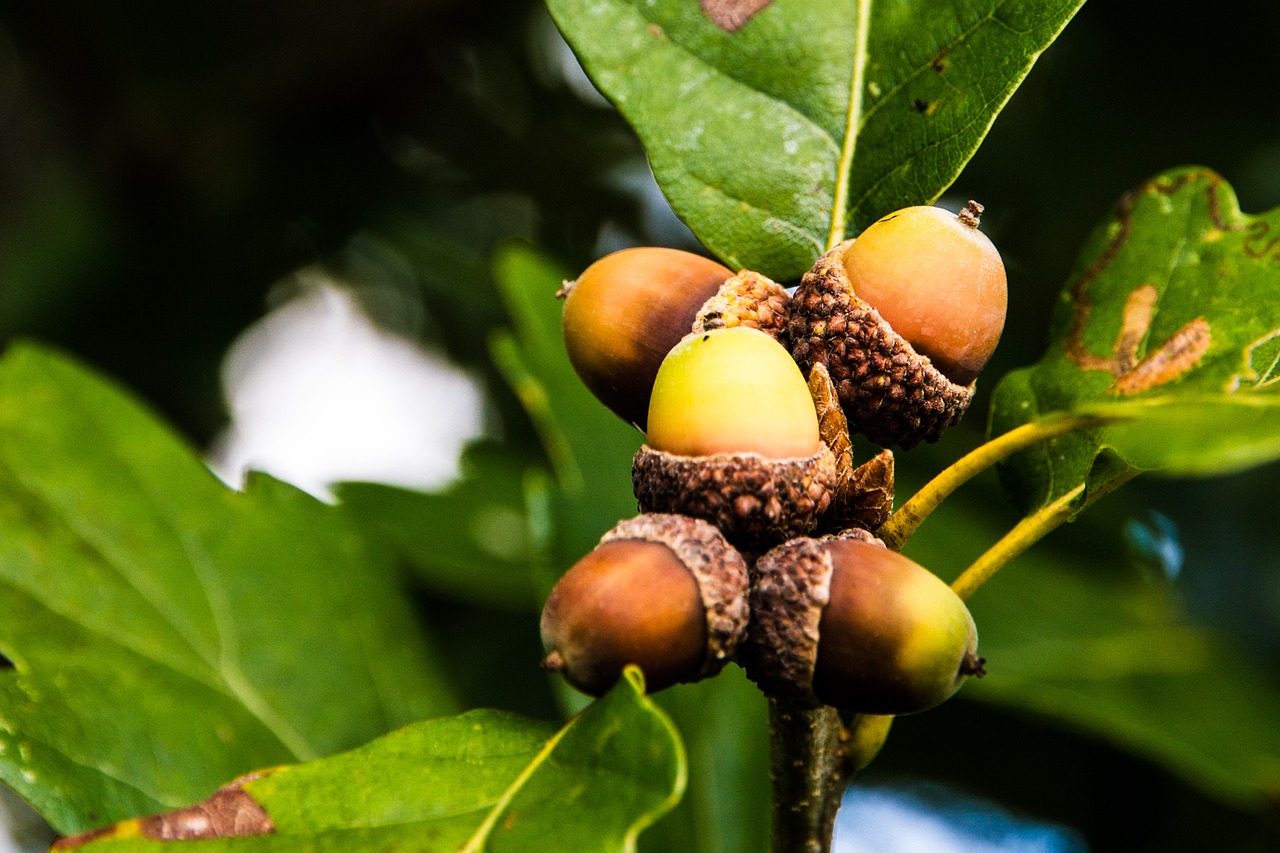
(790, 588)
(890, 393)
(862, 496)
(755, 501)
(716, 566)
(747, 299)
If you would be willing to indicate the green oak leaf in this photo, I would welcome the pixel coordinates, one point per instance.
(1169, 330)
(812, 119)
(161, 632)
(484, 780)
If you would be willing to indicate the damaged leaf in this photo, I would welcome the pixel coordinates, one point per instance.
(1171, 328)
(485, 780)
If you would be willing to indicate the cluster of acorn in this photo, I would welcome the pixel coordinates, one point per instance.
(754, 542)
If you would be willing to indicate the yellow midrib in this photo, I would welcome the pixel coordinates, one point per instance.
(857, 85)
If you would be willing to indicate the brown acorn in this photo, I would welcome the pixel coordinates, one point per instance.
(628, 309)
(664, 592)
(845, 621)
(904, 317)
(733, 438)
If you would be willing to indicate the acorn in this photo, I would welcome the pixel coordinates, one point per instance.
(733, 439)
(664, 592)
(845, 621)
(904, 317)
(628, 309)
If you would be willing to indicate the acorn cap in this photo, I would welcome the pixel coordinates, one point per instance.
(867, 500)
(890, 393)
(755, 501)
(747, 299)
(790, 588)
(862, 496)
(719, 570)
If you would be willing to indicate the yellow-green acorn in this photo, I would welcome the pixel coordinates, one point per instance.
(733, 439)
(850, 623)
(904, 317)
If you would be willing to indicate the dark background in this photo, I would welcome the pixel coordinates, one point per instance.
(163, 165)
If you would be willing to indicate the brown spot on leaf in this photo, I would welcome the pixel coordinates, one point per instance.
(231, 811)
(1185, 347)
(1175, 357)
(1139, 308)
(940, 61)
(731, 15)
(1181, 352)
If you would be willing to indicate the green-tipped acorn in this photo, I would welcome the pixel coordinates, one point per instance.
(849, 623)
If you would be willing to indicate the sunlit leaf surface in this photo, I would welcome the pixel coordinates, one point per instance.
(162, 633)
(808, 120)
(1171, 325)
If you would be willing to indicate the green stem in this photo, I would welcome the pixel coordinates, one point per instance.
(1024, 534)
(912, 514)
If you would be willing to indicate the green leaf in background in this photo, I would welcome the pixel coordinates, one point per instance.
(1111, 655)
(814, 118)
(1171, 325)
(471, 541)
(484, 780)
(166, 633)
(589, 447)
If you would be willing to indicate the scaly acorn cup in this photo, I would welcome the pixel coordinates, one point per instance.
(904, 317)
(628, 309)
(733, 439)
(845, 621)
(664, 592)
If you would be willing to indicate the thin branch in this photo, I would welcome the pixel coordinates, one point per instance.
(1024, 534)
(809, 776)
(911, 515)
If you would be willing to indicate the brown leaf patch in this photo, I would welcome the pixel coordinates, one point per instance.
(231, 811)
(731, 15)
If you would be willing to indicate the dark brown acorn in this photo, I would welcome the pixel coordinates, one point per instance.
(663, 592)
(628, 309)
